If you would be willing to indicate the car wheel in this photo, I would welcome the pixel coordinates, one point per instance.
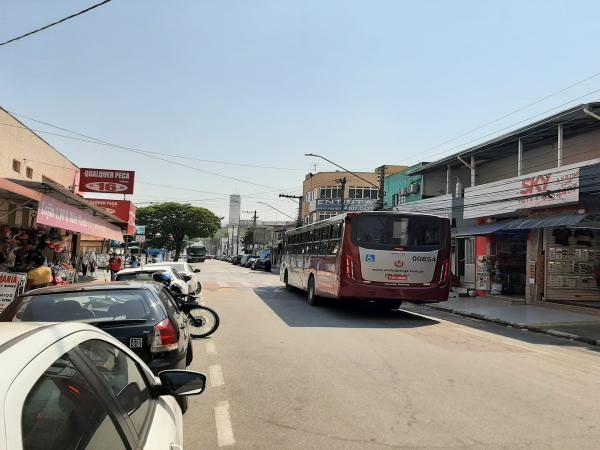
(198, 287)
(311, 296)
(189, 356)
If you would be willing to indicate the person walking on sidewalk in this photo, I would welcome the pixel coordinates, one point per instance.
(115, 263)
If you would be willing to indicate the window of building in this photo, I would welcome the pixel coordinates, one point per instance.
(327, 215)
(363, 192)
(330, 192)
(16, 165)
(29, 172)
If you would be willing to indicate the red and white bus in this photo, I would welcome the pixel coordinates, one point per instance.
(381, 257)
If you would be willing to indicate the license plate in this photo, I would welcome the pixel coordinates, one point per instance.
(135, 343)
(392, 276)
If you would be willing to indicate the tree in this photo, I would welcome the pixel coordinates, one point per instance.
(172, 224)
(248, 241)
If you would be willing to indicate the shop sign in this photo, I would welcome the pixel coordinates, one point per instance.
(123, 209)
(440, 206)
(107, 181)
(539, 190)
(11, 284)
(55, 213)
(350, 204)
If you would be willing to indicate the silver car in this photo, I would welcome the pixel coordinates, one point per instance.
(185, 271)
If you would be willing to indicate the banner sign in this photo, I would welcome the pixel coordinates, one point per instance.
(11, 284)
(106, 181)
(350, 204)
(123, 209)
(55, 213)
(551, 188)
(140, 230)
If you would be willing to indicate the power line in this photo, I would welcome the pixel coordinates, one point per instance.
(54, 23)
(515, 111)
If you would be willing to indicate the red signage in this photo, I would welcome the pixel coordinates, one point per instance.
(107, 181)
(394, 277)
(55, 213)
(123, 209)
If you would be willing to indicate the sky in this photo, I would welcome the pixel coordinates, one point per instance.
(242, 83)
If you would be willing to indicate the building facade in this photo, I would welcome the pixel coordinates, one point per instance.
(526, 210)
(329, 193)
(402, 188)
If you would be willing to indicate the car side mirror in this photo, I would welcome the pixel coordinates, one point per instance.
(186, 277)
(182, 382)
(196, 270)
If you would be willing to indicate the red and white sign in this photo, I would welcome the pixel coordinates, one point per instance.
(538, 190)
(123, 209)
(107, 181)
(55, 213)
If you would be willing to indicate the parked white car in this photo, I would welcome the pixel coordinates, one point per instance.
(145, 274)
(71, 385)
(185, 271)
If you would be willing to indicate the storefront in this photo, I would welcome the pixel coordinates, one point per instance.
(46, 219)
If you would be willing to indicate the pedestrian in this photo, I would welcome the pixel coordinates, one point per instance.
(134, 261)
(40, 275)
(85, 261)
(115, 263)
(93, 263)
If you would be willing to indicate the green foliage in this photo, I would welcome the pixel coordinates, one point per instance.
(172, 224)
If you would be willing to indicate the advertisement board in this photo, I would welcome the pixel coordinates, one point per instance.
(123, 209)
(350, 204)
(55, 213)
(538, 190)
(107, 181)
(11, 284)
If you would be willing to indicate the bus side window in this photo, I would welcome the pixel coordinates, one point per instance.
(324, 240)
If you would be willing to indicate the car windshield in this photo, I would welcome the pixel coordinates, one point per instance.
(92, 305)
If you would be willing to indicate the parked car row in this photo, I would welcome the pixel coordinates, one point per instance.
(253, 262)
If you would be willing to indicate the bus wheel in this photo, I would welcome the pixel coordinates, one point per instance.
(288, 286)
(311, 295)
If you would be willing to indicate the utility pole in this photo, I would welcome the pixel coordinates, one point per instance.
(381, 193)
(342, 182)
(300, 199)
(254, 217)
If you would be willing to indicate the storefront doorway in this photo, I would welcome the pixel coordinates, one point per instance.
(510, 261)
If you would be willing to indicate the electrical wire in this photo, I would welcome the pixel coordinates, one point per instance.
(513, 112)
(55, 23)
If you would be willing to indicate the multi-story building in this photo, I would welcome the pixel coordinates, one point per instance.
(329, 193)
(400, 187)
(526, 209)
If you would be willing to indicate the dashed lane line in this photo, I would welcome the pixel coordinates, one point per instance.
(216, 375)
(211, 348)
(223, 422)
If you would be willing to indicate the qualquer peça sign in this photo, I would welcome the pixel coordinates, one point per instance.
(107, 181)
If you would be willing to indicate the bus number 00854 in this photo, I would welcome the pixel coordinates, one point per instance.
(424, 258)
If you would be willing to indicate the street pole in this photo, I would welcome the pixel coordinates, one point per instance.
(381, 193)
(300, 199)
(342, 181)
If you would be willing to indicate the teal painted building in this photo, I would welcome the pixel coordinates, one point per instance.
(402, 188)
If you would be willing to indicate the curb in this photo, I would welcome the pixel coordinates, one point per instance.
(522, 326)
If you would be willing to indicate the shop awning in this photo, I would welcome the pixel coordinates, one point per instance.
(558, 220)
(486, 228)
(13, 191)
(61, 208)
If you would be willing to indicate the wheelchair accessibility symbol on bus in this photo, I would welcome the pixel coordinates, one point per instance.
(370, 258)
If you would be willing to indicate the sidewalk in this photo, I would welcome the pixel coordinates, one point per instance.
(567, 324)
(100, 276)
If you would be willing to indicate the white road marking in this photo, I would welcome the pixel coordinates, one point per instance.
(216, 375)
(223, 423)
(211, 348)
(526, 347)
(464, 330)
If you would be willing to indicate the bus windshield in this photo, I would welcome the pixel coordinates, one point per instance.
(392, 231)
(196, 251)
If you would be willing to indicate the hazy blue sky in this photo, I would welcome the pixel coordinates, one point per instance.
(263, 82)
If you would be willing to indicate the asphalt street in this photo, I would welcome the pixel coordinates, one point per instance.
(285, 375)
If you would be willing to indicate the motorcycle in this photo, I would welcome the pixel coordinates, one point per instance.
(204, 320)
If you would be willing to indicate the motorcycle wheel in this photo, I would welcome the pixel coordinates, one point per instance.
(203, 320)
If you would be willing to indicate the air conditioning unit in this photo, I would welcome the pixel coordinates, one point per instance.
(403, 192)
(414, 188)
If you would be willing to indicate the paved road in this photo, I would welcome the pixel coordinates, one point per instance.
(284, 375)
